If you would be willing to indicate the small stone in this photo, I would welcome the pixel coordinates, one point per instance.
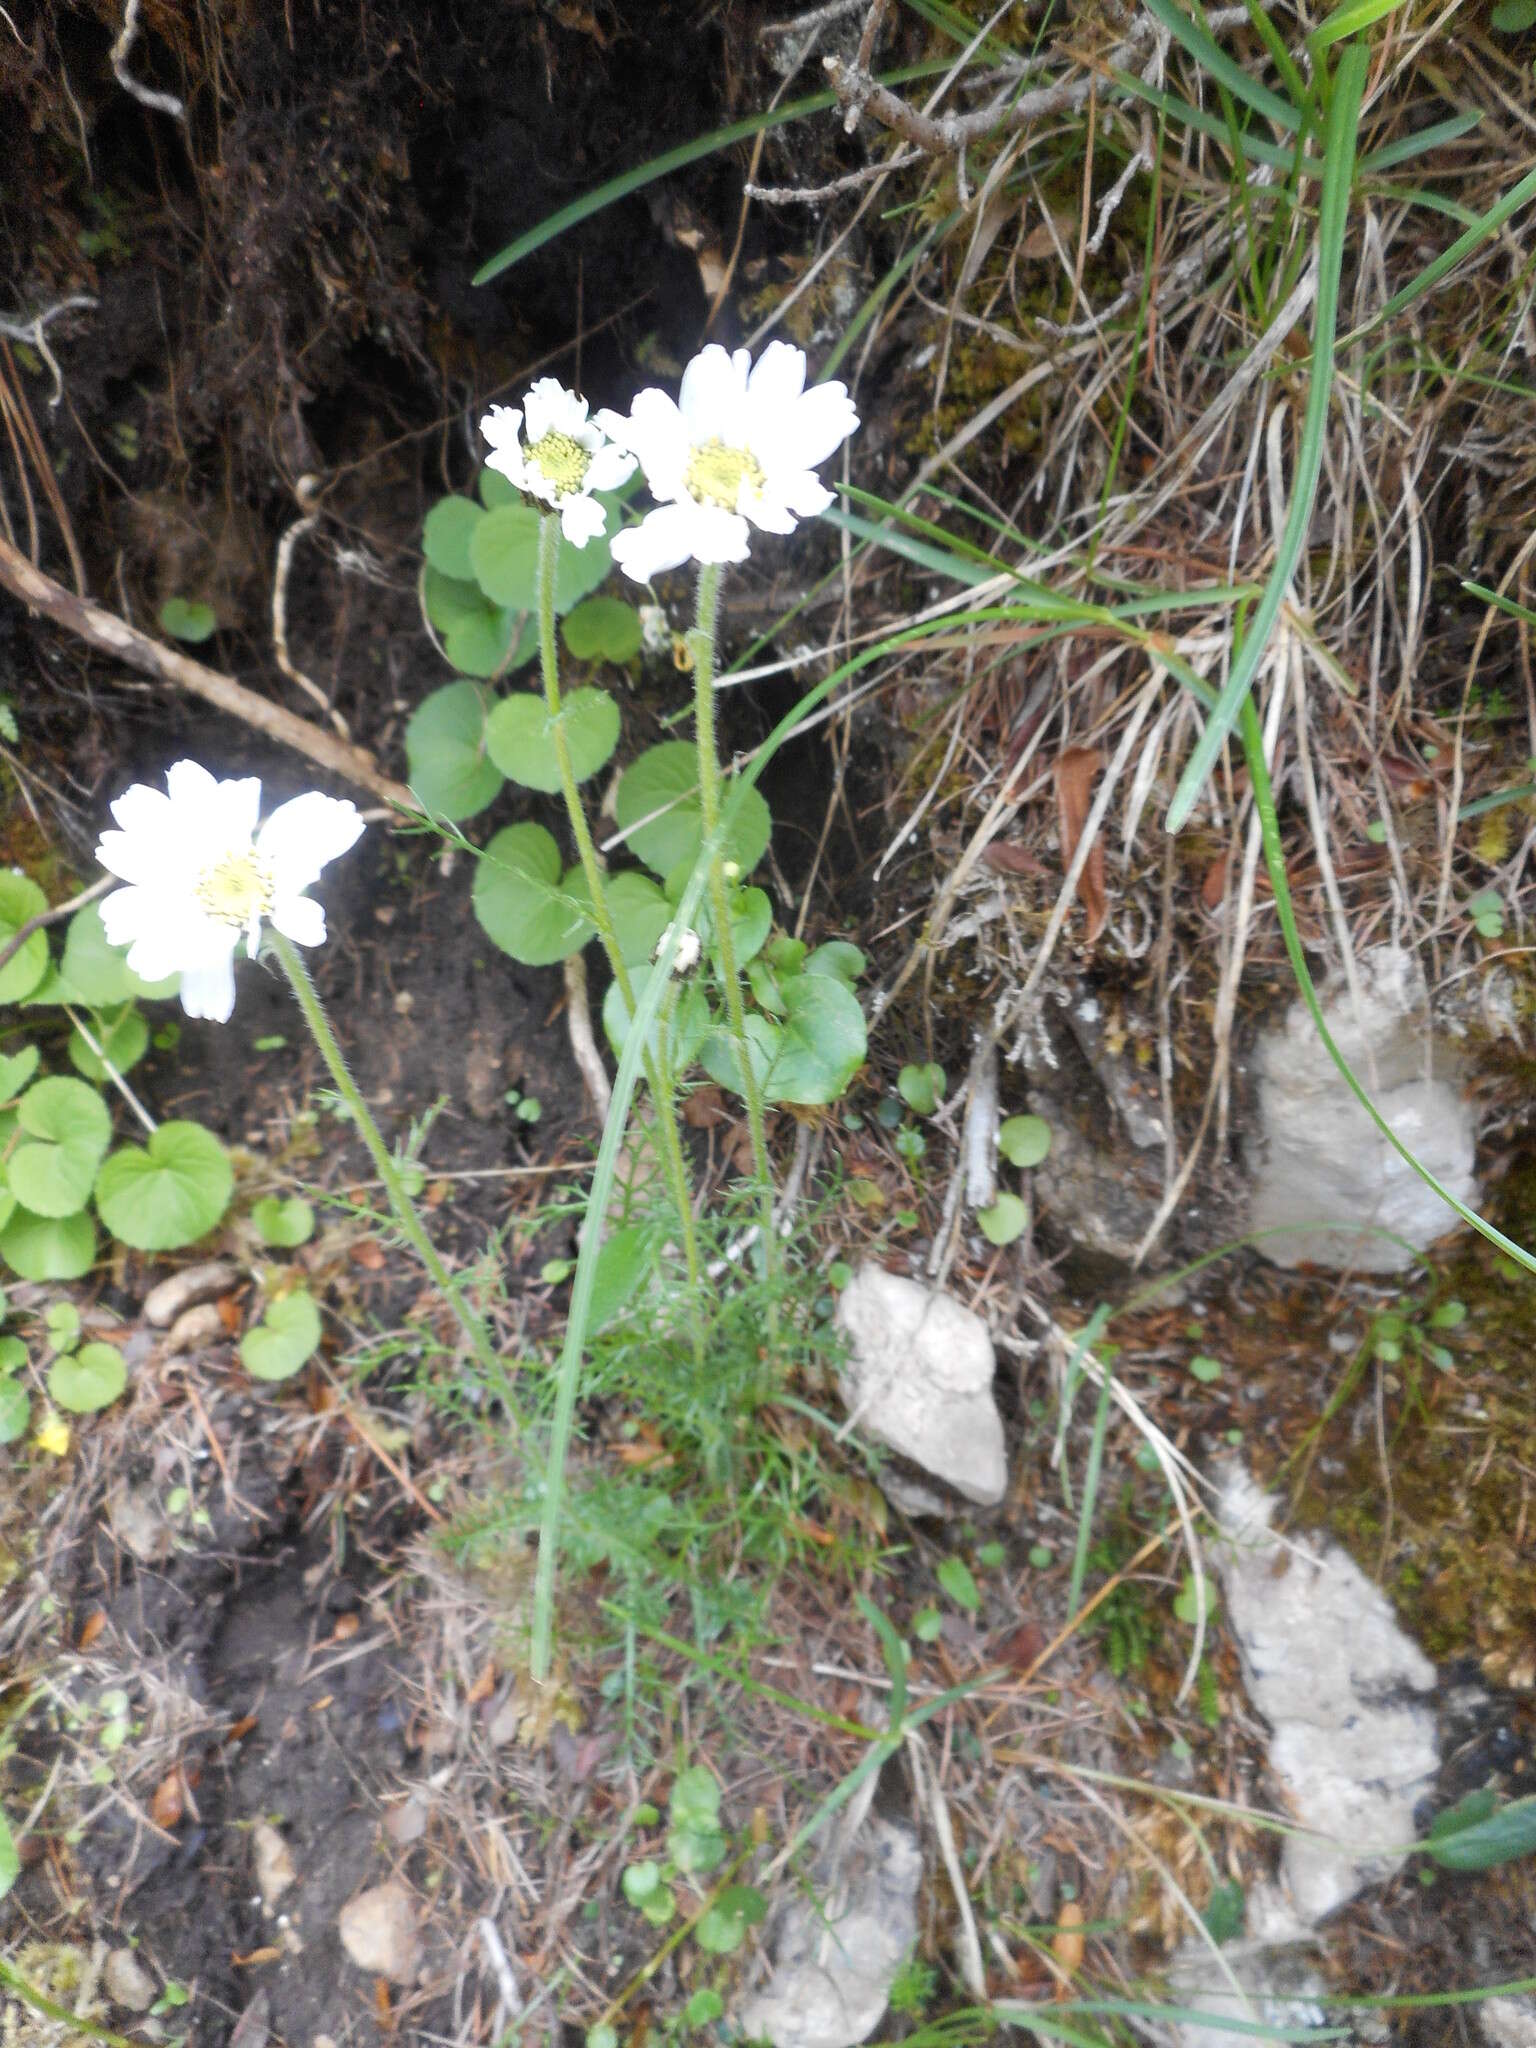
(196, 1328)
(1509, 2022)
(273, 1863)
(128, 1983)
(919, 1378)
(407, 1822)
(163, 1304)
(378, 1931)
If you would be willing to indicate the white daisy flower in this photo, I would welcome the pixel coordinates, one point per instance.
(201, 877)
(740, 445)
(551, 450)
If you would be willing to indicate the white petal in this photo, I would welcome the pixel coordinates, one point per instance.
(143, 856)
(302, 835)
(502, 426)
(713, 394)
(553, 410)
(301, 919)
(539, 486)
(718, 535)
(766, 509)
(509, 462)
(210, 991)
(802, 491)
(142, 809)
(778, 376)
(189, 782)
(609, 468)
(658, 434)
(581, 520)
(808, 432)
(179, 937)
(126, 913)
(662, 540)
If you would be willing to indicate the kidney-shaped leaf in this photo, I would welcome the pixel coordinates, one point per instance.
(521, 901)
(168, 1193)
(88, 1379)
(446, 760)
(602, 629)
(70, 1129)
(47, 1247)
(520, 736)
(286, 1336)
(822, 1041)
(446, 537)
(20, 901)
(657, 805)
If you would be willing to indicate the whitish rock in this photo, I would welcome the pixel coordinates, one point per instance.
(1277, 1987)
(919, 1378)
(163, 1304)
(1509, 2022)
(833, 1968)
(272, 1862)
(1323, 1162)
(1327, 1666)
(128, 1983)
(378, 1931)
(196, 1328)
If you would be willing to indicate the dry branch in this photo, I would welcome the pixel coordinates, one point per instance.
(111, 635)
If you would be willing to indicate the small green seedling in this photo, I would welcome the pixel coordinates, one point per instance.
(922, 1088)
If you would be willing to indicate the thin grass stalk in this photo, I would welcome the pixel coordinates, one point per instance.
(658, 1076)
(702, 644)
(568, 1370)
(389, 1173)
(1338, 173)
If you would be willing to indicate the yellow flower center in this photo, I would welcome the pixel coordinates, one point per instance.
(235, 889)
(563, 461)
(716, 474)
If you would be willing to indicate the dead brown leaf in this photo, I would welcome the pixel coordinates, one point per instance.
(1008, 857)
(1073, 774)
(1067, 1941)
(91, 1627)
(168, 1801)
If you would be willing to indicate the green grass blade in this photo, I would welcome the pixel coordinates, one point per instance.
(1212, 58)
(1178, 110)
(1302, 94)
(1348, 20)
(1338, 168)
(1487, 224)
(1409, 146)
(1500, 602)
(672, 160)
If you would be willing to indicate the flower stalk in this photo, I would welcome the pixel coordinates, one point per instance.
(389, 1173)
(701, 642)
(657, 1068)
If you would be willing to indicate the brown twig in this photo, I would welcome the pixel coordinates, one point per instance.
(109, 634)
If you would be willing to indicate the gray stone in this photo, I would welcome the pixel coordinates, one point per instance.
(919, 1378)
(1277, 1987)
(833, 1967)
(1320, 1159)
(1328, 1667)
(378, 1931)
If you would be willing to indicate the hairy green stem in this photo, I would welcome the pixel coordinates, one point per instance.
(657, 1068)
(389, 1172)
(702, 645)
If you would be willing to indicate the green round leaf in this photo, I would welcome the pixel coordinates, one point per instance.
(519, 735)
(1513, 17)
(837, 958)
(447, 600)
(639, 911)
(188, 619)
(481, 644)
(1004, 1221)
(283, 1225)
(495, 489)
(690, 1022)
(1205, 1369)
(662, 790)
(920, 1087)
(15, 1411)
(448, 534)
(124, 1040)
(87, 1379)
(724, 1927)
(13, 1355)
(48, 1247)
(169, 1193)
(16, 1071)
(20, 901)
(446, 761)
(71, 1129)
(954, 1575)
(822, 1043)
(602, 629)
(522, 901)
(285, 1338)
(1024, 1141)
(719, 1057)
(504, 555)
